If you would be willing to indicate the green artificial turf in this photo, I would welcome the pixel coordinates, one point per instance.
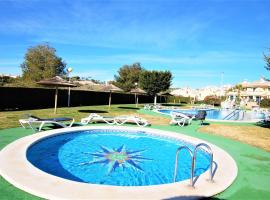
(253, 164)
(7, 191)
(253, 177)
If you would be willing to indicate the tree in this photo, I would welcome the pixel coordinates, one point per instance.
(41, 62)
(267, 60)
(154, 82)
(127, 76)
(238, 88)
(4, 80)
(265, 103)
(212, 100)
(75, 78)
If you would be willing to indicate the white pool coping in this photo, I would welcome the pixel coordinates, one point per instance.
(17, 170)
(214, 120)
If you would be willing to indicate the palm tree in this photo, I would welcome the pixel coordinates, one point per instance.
(238, 88)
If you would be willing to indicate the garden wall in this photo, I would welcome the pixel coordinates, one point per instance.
(16, 98)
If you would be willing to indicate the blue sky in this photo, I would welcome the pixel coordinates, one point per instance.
(195, 40)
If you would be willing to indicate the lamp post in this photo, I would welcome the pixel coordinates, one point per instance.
(136, 98)
(69, 71)
(221, 84)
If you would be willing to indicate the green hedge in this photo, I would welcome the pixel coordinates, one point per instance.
(178, 99)
(19, 98)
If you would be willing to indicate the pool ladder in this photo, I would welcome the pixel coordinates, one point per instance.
(193, 162)
(232, 114)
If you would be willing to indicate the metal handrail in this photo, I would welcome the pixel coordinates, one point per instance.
(233, 113)
(211, 174)
(230, 114)
(193, 161)
(176, 164)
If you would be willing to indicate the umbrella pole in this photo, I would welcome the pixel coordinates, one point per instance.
(55, 100)
(110, 99)
(137, 101)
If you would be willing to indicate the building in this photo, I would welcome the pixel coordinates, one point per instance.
(252, 91)
(8, 75)
(200, 94)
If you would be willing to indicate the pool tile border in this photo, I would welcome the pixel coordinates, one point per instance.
(16, 169)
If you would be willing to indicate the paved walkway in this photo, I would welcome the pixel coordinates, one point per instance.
(253, 176)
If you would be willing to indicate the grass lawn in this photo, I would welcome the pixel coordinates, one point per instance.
(10, 119)
(253, 176)
(253, 135)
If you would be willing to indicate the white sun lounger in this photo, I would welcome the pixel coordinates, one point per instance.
(148, 107)
(180, 118)
(93, 117)
(131, 119)
(32, 120)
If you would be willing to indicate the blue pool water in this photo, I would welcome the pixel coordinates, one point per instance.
(114, 157)
(217, 114)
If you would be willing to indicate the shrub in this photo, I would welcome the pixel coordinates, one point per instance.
(265, 103)
(213, 100)
(199, 102)
(178, 99)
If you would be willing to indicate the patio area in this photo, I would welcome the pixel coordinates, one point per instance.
(253, 163)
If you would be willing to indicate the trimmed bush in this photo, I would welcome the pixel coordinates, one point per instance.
(178, 99)
(265, 103)
(212, 100)
(199, 102)
(18, 98)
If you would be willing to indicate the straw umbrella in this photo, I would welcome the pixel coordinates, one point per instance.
(111, 88)
(137, 91)
(166, 94)
(56, 82)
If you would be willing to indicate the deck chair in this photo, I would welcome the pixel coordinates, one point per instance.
(181, 119)
(41, 122)
(157, 106)
(93, 117)
(201, 116)
(148, 107)
(264, 122)
(131, 119)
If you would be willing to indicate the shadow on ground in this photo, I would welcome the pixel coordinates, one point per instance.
(263, 123)
(92, 111)
(129, 108)
(205, 124)
(55, 126)
(76, 124)
(172, 104)
(193, 198)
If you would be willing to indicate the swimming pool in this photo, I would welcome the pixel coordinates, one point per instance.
(115, 157)
(221, 114)
(53, 173)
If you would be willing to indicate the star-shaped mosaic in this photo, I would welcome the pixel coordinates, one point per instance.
(120, 157)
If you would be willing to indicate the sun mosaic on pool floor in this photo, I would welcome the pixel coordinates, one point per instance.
(120, 157)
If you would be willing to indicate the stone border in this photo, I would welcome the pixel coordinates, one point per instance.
(17, 170)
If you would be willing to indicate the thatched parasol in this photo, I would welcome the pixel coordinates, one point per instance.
(56, 82)
(137, 91)
(165, 94)
(111, 88)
